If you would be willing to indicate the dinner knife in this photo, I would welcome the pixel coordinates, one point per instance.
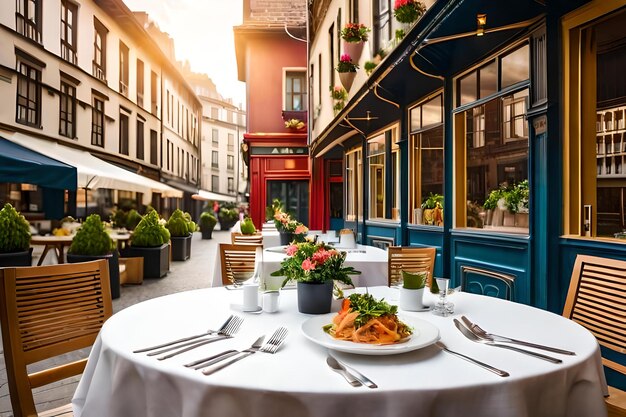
(358, 375)
(337, 367)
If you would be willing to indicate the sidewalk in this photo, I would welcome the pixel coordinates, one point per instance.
(197, 272)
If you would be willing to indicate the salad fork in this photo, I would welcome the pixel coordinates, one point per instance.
(271, 346)
(223, 328)
(204, 362)
(478, 331)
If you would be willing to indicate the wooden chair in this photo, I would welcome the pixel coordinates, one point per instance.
(487, 282)
(241, 239)
(131, 270)
(597, 300)
(238, 262)
(45, 312)
(410, 259)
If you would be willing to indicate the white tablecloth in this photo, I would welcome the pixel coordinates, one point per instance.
(296, 381)
(371, 261)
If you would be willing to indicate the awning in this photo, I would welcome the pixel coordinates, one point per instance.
(93, 172)
(22, 165)
(208, 195)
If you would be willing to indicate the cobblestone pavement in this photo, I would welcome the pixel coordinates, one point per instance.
(197, 272)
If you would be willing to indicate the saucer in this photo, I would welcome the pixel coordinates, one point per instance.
(239, 307)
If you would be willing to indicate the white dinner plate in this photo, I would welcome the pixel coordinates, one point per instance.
(424, 334)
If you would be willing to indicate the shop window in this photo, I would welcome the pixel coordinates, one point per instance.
(354, 184)
(426, 157)
(515, 66)
(595, 160)
(378, 147)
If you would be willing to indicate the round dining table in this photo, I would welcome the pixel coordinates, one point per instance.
(296, 381)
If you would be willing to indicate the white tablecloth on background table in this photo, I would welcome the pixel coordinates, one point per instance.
(371, 261)
(296, 382)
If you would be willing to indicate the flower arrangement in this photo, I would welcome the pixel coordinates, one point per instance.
(338, 93)
(408, 11)
(294, 124)
(284, 222)
(314, 263)
(354, 32)
(346, 65)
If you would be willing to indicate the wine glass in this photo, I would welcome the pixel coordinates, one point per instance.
(443, 307)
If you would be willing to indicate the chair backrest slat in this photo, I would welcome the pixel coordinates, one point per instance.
(412, 259)
(241, 239)
(46, 311)
(238, 262)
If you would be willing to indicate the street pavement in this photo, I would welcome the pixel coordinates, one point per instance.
(196, 272)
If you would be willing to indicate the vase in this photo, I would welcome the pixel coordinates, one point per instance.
(347, 78)
(315, 298)
(411, 299)
(285, 238)
(354, 49)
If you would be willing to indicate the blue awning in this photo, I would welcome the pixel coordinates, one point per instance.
(22, 165)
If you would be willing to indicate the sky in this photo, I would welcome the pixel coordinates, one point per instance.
(203, 35)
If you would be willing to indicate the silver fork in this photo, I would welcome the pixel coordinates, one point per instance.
(474, 338)
(227, 333)
(204, 362)
(184, 339)
(271, 346)
(478, 331)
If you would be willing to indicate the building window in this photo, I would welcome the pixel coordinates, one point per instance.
(154, 147)
(123, 69)
(99, 50)
(68, 31)
(354, 184)
(231, 185)
(331, 55)
(28, 94)
(140, 82)
(231, 142)
(214, 159)
(97, 122)
(594, 187)
(140, 136)
(215, 113)
(215, 137)
(230, 162)
(215, 183)
(295, 91)
(382, 24)
(376, 154)
(426, 157)
(67, 110)
(153, 93)
(28, 19)
(123, 134)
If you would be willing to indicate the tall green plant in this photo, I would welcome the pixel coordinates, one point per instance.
(14, 230)
(207, 220)
(180, 224)
(92, 239)
(150, 232)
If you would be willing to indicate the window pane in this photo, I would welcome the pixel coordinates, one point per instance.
(468, 89)
(432, 112)
(376, 158)
(416, 119)
(488, 79)
(515, 66)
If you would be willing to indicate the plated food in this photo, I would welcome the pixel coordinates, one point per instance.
(363, 319)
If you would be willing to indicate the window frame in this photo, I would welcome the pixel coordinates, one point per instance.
(26, 23)
(290, 75)
(124, 134)
(67, 101)
(28, 73)
(354, 184)
(69, 43)
(140, 134)
(97, 121)
(140, 82)
(99, 50)
(230, 162)
(215, 159)
(123, 69)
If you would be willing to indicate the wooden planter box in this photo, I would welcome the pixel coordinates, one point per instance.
(181, 247)
(155, 260)
(114, 268)
(24, 258)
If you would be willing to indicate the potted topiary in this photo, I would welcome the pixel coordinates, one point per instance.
(228, 216)
(133, 219)
(150, 240)
(207, 224)
(15, 247)
(181, 228)
(92, 242)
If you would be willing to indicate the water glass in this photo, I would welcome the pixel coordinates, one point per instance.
(443, 307)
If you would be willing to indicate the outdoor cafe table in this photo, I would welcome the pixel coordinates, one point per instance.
(297, 382)
(371, 261)
(56, 243)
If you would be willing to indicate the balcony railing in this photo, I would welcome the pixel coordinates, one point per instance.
(98, 72)
(68, 54)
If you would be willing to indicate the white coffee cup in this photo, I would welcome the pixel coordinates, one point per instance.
(250, 297)
(411, 300)
(270, 301)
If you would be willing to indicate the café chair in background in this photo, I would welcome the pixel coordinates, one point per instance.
(46, 312)
(597, 301)
(408, 258)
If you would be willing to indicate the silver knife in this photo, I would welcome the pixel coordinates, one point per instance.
(337, 367)
(364, 380)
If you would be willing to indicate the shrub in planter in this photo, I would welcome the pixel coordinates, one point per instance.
(247, 227)
(228, 216)
(181, 228)
(133, 219)
(150, 240)
(207, 224)
(92, 242)
(15, 247)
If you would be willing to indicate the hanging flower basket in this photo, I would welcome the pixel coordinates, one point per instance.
(408, 11)
(347, 78)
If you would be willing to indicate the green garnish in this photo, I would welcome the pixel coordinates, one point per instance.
(368, 307)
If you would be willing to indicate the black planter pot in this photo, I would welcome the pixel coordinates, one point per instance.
(315, 298)
(285, 238)
(155, 260)
(226, 224)
(24, 258)
(206, 233)
(114, 268)
(181, 247)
